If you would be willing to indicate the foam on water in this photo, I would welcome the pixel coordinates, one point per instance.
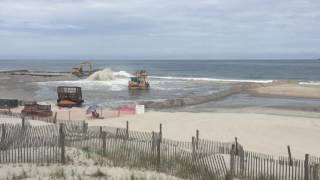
(105, 79)
(124, 74)
(103, 75)
(210, 79)
(312, 83)
(108, 75)
(108, 80)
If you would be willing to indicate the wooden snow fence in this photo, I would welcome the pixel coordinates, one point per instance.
(257, 166)
(194, 159)
(26, 144)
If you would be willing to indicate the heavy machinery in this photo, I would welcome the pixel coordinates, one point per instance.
(84, 70)
(35, 109)
(69, 96)
(139, 80)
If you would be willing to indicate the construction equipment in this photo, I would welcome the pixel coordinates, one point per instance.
(69, 96)
(35, 109)
(84, 70)
(139, 80)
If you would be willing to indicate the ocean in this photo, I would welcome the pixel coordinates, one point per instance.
(303, 70)
(171, 79)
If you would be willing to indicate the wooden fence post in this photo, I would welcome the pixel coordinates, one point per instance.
(153, 141)
(62, 142)
(197, 139)
(306, 167)
(158, 155)
(236, 148)
(316, 172)
(100, 131)
(232, 168)
(84, 127)
(289, 155)
(23, 123)
(55, 117)
(117, 132)
(104, 143)
(127, 129)
(193, 148)
(160, 133)
(241, 161)
(3, 132)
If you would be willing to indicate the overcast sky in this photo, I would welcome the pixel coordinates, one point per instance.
(160, 29)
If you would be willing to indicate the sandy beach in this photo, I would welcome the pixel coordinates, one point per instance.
(265, 133)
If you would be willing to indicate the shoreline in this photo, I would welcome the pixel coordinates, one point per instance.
(22, 85)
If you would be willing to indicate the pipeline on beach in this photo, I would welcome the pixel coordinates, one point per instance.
(193, 100)
(201, 99)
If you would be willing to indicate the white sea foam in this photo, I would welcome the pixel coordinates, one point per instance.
(116, 81)
(122, 74)
(313, 83)
(103, 75)
(210, 79)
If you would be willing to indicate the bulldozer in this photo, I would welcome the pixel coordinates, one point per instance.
(84, 70)
(139, 80)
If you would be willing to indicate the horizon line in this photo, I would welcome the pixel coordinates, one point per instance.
(155, 59)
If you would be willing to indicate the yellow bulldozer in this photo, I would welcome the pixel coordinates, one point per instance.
(84, 70)
(139, 80)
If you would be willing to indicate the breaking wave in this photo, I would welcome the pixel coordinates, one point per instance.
(210, 79)
(313, 83)
(103, 75)
(107, 75)
(106, 79)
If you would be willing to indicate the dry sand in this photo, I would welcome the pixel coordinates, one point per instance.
(290, 89)
(263, 133)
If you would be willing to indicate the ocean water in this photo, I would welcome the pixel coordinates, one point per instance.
(304, 70)
(172, 79)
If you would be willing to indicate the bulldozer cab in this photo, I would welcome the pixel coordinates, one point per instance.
(84, 69)
(139, 81)
(134, 79)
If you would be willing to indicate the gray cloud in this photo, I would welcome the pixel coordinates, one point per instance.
(160, 28)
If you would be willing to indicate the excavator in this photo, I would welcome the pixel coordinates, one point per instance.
(139, 80)
(84, 70)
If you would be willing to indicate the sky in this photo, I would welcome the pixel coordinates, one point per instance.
(159, 29)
